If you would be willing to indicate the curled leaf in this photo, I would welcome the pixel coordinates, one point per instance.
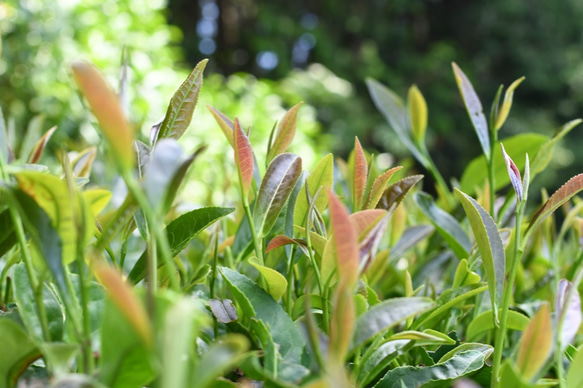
(286, 130)
(417, 114)
(514, 174)
(506, 104)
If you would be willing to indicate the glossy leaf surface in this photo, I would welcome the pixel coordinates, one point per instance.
(276, 187)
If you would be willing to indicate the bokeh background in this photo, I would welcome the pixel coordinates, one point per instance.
(265, 56)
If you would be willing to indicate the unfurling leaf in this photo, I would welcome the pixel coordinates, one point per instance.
(474, 108)
(490, 246)
(225, 123)
(286, 130)
(39, 147)
(378, 186)
(107, 110)
(277, 185)
(506, 104)
(417, 114)
(562, 195)
(243, 158)
(535, 344)
(568, 312)
(359, 176)
(514, 174)
(321, 176)
(182, 105)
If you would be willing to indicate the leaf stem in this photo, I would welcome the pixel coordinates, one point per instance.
(257, 240)
(506, 297)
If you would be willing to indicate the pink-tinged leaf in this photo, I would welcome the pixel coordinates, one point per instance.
(107, 109)
(122, 295)
(83, 162)
(225, 123)
(474, 108)
(286, 130)
(514, 174)
(359, 176)
(243, 158)
(568, 312)
(535, 344)
(364, 220)
(342, 323)
(562, 195)
(182, 105)
(378, 186)
(346, 242)
(39, 147)
(276, 187)
(370, 241)
(395, 193)
(281, 240)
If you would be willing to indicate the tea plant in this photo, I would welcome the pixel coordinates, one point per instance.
(330, 277)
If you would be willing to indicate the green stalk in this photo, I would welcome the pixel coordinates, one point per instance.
(257, 240)
(507, 296)
(315, 266)
(491, 175)
(290, 279)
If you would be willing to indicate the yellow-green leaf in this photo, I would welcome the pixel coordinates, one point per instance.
(417, 114)
(107, 109)
(359, 176)
(506, 104)
(286, 130)
(275, 283)
(378, 187)
(575, 372)
(321, 176)
(535, 344)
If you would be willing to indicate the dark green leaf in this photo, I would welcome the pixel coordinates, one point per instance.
(276, 186)
(387, 314)
(180, 232)
(395, 193)
(3, 139)
(18, 352)
(438, 374)
(447, 226)
(182, 105)
(7, 237)
(379, 360)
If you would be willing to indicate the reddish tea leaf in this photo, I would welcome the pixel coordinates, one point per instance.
(366, 219)
(378, 186)
(107, 110)
(359, 175)
(342, 323)
(514, 174)
(225, 123)
(281, 240)
(562, 195)
(395, 193)
(345, 241)
(286, 130)
(39, 147)
(243, 158)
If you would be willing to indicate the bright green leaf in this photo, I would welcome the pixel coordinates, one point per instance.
(464, 276)
(286, 130)
(275, 282)
(18, 352)
(506, 104)
(378, 187)
(485, 321)
(321, 176)
(575, 372)
(417, 113)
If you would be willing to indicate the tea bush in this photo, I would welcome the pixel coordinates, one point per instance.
(326, 274)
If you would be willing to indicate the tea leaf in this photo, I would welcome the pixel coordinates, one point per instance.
(18, 352)
(410, 238)
(463, 276)
(223, 310)
(378, 187)
(277, 184)
(182, 105)
(286, 130)
(40, 145)
(379, 360)
(474, 108)
(321, 176)
(342, 324)
(387, 314)
(256, 303)
(395, 193)
(165, 160)
(83, 162)
(485, 321)
(514, 175)
(490, 245)
(345, 242)
(425, 337)
(225, 123)
(218, 359)
(107, 110)
(417, 113)
(447, 300)
(506, 104)
(476, 173)
(370, 239)
(4, 153)
(510, 376)
(359, 176)
(125, 300)
(413, 376)
(567, 312)
(447, 226)
(8, 236)
(282, 240)
(562, 195)
(243, 158)
(393, 109)
(575, 372)
(180, 233)
(276, 283)
(535, 344)
(543, 157)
